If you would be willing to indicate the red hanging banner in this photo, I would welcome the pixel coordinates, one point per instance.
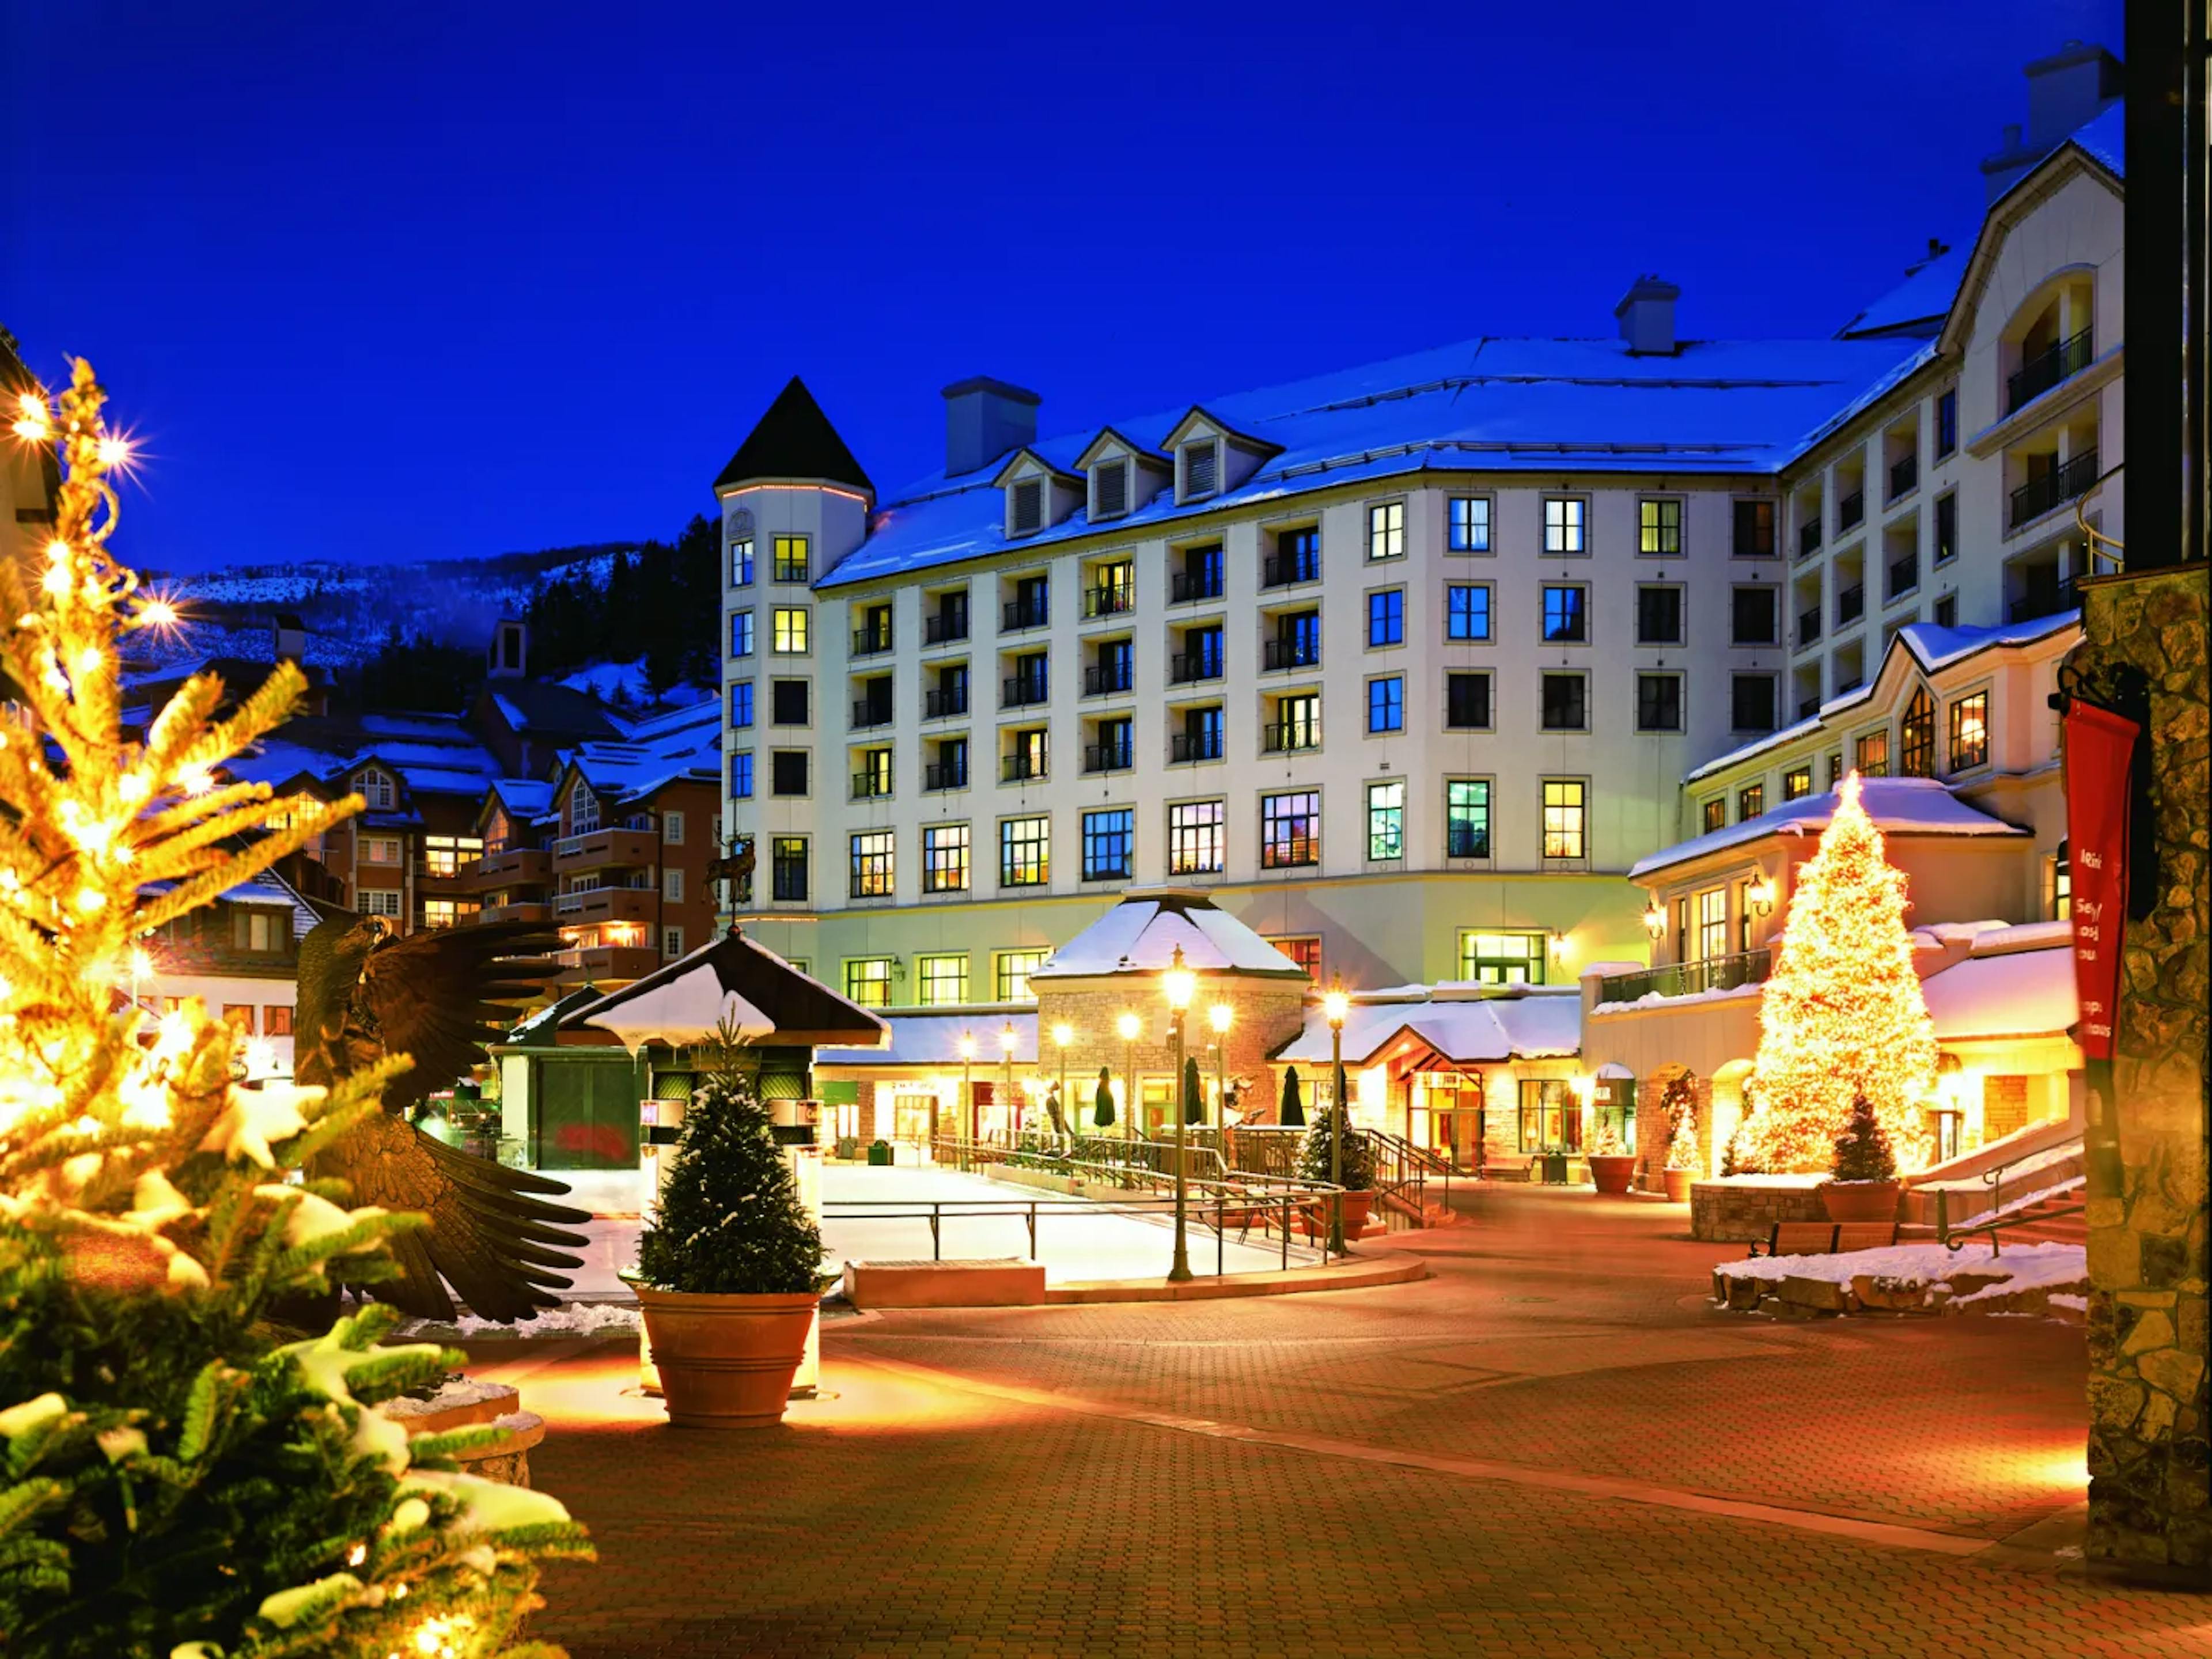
(2099, 746)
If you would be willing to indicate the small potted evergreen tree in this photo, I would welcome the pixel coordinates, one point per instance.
(729, 1275)
(1357, 1172)
(1612, 1159)
(1681, 1106)
(1865, 1186)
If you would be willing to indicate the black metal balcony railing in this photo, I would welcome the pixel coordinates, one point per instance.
(1196, 665)
(1190, 585)
(1023, 613)
(1851, 511)
(1683, 979)
(1282, 735)
(1291, 651)
(1903, 575)
(2061, 484)
(1808, 535)
(1022, 691)
(871, 641)
(2044, 598)
(1903, 475)
(940, 775)
(2046, 369)
(1809, 625)
(1108, 601)
(1851, 605)
(1808, 706)
(1102, 679)
(1109, 756)
(1467, 840)
(871, 785)
(944, 701)
(1193, 746)
(1021, 767)
(946, 628)
(1288, 569)
(869, 713)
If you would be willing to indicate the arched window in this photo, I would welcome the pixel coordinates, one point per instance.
(1915, 738)
(741, 523)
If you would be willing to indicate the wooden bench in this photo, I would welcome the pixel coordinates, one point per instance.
(1827, 1238)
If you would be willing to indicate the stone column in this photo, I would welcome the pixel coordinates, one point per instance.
(2150, 1507)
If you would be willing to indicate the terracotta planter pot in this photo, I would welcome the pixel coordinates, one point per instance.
(1611, 1174)
(1678, 1185)
(1357, 1207)
(1862, 1200)
(726, 1362)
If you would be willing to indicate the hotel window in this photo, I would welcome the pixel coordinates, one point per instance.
(443, 855)
(1658, 614)
(941, 982)
(1947, 422)
(945, 858)
(1835, 768)
(1947, 610)
(1197, 837)
(789, 639)
(1502, 959)
(1386, 820)
(2061, 885)
(741, 562)
(1750, 801)
(1658, 702)
(1751, 701)
(671, 885)
(1025, 852)
(1551, 1115)
(1566, 614)
(1386, 704)
(1714, 814)
(1564, 524)
(1467, 611)
(1659, 527)
(871, 864)
(787, 772)
(1970, 732)
(1565, 702)
(1565, 799)
(741, 706)
(671, 828)
(672, 942)
(1916, 737)
(238, 1016)
(1467, 701)
(1010, 975)
(741, 776)
(276, 1020)
(1297, 724)
(1027, 501)
(375, 789)
(1797, 782)
(1303, 949)
(1201, 468)
(1109, 489)
(1110, 845)
(1870, 754)
(1469, 531)
(868, 980)
(1467, 818)
(741, 633)
(1946, 528)
(790, 558)
(378, 901)
(1386, 530)
(787, 702)
(1386, 616)
(1290, 830)
(787, 868)
(380, 849)
(1712, 923)
(256, 929)
(1752, 616)
(1755, 530)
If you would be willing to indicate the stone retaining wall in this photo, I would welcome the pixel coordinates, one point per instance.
(1735, 1213)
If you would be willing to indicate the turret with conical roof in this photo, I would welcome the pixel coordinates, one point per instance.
(794, 443)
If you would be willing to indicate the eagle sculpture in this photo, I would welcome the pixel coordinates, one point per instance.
(436, 996)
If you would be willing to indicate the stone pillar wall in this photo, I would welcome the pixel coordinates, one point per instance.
(2149, 1457)
(1269, 1014)
(1652, 1127)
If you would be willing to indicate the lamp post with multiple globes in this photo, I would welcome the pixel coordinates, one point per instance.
(1334, 1006)
(1176, 984)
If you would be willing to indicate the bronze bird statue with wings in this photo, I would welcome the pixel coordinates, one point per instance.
(438, 996)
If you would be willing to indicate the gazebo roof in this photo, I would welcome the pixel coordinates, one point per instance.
(1140, 936)
(796, 1008)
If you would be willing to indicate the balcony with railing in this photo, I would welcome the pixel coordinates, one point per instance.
(873, 640)
(871, 711)
(1187, 746)
(940, 775)
(1808, 706)
(943, 703)
(873, 784)
(1904, 475)
(1110, 757)
(1284, 736)
(509, 866)
(1289, 569)
(1904, 577)
(604, 964)
(537, 910)
(1808, 626)
(1686, 978)
(1020, 766)
(1021, 691)
(1851, 605)
(1808, 536)
(2046, 597)
(2053, 489)
(1112, 600)
(1851, 511)
(606, 849)
(1188, 668)
(1189, 586)
(1291, 650)
(599, 904)
(1020, 615)
(1104, 679)
(946, 628)
(2046, 369)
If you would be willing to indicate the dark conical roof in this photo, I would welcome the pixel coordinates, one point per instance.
(795, 439)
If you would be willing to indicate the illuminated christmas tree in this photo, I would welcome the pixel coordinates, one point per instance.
(180, 1479)
(1843, 1014)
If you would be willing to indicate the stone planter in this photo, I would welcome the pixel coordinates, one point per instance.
(1861, 1200)
(1678, 1185)
(473, 1404)
(1611, 1175)
(726, 1362)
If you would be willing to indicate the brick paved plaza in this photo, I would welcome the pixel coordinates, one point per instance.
(1551, 1447)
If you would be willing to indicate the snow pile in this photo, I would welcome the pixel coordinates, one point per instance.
(455, 1391)
(2023, 1267)
(568, 1319)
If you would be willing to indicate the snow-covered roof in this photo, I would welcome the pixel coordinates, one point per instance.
(929, 1038)
(523, 797)
(2104, 140)
(1922, 298)
(1911, 806)
(1526, 1022)
(1140, 936)
(1715, 406)
(266, 891)
(2017, 992)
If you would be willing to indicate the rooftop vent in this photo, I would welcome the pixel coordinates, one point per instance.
(1646, 315)
(983, 419)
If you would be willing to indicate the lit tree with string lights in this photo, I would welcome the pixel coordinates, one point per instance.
(1842, 1015)
(180, 1479)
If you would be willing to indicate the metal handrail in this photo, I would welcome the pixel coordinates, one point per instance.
(1993, 1178)
(1274, 1214)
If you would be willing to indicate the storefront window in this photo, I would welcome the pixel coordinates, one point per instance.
(1551, 1116)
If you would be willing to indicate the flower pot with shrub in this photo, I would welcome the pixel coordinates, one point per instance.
(729, 1273)
(1357, 1174)
(1865, 1186)
(1681, 1108)
(1611, 1162)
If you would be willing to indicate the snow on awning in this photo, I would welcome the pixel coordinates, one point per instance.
(1536, 1024)
(1140, 935)
(2012, 994)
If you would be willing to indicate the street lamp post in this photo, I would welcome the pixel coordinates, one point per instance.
(1128, 1025)
(1006, 1040)
(1334, 1006)
(1177, 984)
(1219, 1017)
(967, 1095)
(1062, 1034)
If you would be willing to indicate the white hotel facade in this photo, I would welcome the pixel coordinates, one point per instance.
(1408, 665)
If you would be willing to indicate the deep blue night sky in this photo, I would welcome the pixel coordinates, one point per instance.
(439, 281)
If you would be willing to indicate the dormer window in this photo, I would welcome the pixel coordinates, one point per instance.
(1027, 508)
(376, 789)
(1201, 468)
(1109, 489)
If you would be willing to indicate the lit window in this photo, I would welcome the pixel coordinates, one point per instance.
(741, 633)
(380, 849)
(1303, 949)
(1025, 852)
(1386, 820)
(240, 1016)
(1386, 616)
(790, 631)
(1916, 737)
(1386, 530)
(1565, 801)
(1502, 959)
(1797, 782)
(1970, 732)
(1386, 703)
(871, 864)
(2061, 885)
(444, 855)
(1712, 923)
(1010, 975)
(1109, 849)
(276, 1020)
(439, 913)
(1563, 525)
(1290, 830)
(1551, 1116)
(787, 868)
(1467, 611)
(941, 980)
(1659, 527)
(868, 980)
(1197, 838)
(1470, 525)
(1467, 818)
(1750, 801)
(1870, 754)
(1714, 814)
(1297, 724)
(945, 858)
(790, 558)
